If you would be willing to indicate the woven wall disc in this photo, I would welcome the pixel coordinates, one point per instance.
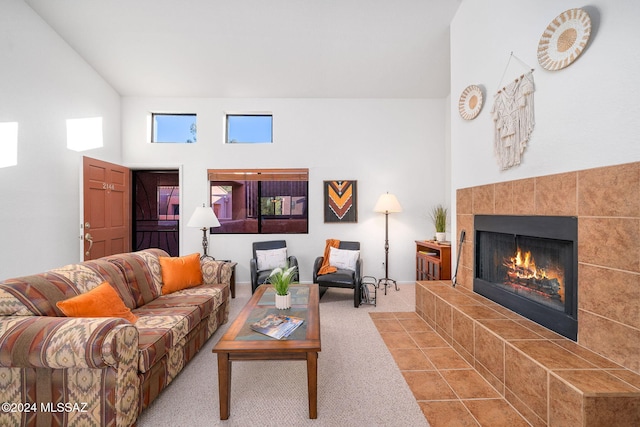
(470, 102)
(564, 39)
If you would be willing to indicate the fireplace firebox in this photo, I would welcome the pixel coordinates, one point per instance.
(529, 264)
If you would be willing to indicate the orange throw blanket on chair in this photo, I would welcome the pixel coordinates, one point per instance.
(325, 268)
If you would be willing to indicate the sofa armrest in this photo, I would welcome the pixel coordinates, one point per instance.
(66, 342)
(215, 272)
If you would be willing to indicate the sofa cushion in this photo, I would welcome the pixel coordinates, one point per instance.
(104, 272)
(15, 300)
(180, 272)
(341, 278)
(101, 301)
(87, 275)
(38, 293)
(151, 257)
(157, 318)
(206, 297)
(160, 329)
(138, 276)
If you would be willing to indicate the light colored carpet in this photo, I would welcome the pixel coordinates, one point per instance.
(359, 384)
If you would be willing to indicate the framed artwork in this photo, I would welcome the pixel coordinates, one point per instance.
(340, 201)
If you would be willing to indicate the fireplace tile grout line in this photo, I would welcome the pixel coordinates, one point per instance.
(500, 396)
(610, 320)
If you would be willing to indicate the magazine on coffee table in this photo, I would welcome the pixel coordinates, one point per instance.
(277, 326)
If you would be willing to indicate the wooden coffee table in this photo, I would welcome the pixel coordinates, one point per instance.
(240, 343)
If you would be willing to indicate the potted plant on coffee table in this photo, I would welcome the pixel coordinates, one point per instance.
(439, 217)
(281, 278)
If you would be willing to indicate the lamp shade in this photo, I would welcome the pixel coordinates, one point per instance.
(387, 203)
(203, 217)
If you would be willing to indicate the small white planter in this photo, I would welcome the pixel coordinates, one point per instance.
(283, 301)
(441, 237)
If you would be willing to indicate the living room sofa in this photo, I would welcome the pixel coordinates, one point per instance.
(101, 371)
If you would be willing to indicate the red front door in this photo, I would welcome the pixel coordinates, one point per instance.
(107, 208)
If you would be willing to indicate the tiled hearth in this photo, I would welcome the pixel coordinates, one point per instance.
(446, 387)
(548, 379)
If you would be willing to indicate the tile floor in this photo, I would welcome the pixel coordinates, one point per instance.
(449, 391)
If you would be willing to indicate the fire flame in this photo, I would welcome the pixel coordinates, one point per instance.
(524, 266)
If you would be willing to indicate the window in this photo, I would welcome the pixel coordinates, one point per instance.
(249, 128)
(260, 201)
(176, 128)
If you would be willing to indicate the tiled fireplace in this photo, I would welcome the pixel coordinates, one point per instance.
(606, 202)
(530, 365)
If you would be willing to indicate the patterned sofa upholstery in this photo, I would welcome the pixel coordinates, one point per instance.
(65, 371)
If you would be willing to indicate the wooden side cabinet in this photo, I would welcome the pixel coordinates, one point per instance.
(433, 260)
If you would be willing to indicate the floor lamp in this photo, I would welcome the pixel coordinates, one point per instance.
(387, 203)
(204, 218)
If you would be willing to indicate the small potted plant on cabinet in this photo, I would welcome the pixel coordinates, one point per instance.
(281, 278)
(439, 217)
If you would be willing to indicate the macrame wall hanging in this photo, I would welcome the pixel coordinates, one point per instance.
(513, 117)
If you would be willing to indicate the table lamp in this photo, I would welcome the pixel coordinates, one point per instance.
(204, 218)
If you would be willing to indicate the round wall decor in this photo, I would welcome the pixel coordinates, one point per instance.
(564, 39)
(470, 102)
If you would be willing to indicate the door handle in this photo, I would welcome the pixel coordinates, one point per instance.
(89, 239)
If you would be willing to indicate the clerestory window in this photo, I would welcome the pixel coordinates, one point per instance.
(249, 129)
(174, 128)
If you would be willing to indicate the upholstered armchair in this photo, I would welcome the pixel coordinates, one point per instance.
(348, 272)
(267, 256)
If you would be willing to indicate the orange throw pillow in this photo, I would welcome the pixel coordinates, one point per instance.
(101, 301)
(180, 272)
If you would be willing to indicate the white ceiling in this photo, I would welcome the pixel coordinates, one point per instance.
(260, 48)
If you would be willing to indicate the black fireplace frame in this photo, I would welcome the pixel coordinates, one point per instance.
(550, 227)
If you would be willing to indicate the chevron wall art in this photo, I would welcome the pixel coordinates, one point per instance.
(340, 201)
